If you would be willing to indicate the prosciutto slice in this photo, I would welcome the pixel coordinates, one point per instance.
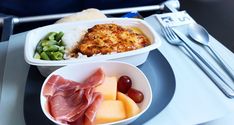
(56, 83)
(94, 80)
(71, 102)
(91, 112)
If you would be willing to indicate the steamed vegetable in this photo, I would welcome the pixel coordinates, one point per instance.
(51, 47)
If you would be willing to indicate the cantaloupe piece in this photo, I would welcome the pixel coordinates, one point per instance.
(110, 111)
(131, 107)
(108, 88)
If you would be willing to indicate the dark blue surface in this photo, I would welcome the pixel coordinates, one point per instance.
(156, 69)
(44, 7)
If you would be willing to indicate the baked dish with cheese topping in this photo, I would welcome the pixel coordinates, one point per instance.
(109, 38)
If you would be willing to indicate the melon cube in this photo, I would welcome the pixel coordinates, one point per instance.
(131, 107)
(110, 111)
(108, 88)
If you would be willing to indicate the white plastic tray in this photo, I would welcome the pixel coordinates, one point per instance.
(135, 57)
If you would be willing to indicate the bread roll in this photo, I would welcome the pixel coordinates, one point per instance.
(87, 14)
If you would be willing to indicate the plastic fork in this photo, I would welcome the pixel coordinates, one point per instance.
(210, 71)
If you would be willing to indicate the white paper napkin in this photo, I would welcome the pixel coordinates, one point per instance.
(196, 99)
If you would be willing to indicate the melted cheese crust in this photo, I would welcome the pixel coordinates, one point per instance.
(108, 38)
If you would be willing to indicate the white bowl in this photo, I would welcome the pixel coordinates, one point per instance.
(135, 57)
(78, 72)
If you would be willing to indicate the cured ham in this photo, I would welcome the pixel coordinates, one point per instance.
(94, 80)
(56, 83)
(91, 112)
(71, 102)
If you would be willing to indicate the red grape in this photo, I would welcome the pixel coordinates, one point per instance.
(135, 95)
(124, 84)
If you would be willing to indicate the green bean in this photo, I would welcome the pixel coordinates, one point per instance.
(61, 43)
(39, 49)
(62, 49)
(44, 56)
(56, 55)
(39, 43)
(58, 36)
(51, 48)
(44, 42)
(49, 54)
(48, 42)
(50, 36)
(37, 56)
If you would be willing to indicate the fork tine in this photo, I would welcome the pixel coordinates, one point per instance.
(174, 36)
(166, 33)
(171, 36)
(171, 33)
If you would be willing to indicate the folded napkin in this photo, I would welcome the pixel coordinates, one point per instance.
(180, 22)
(197, 99)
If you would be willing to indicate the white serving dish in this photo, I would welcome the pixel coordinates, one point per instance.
(135, 57)
(79, 72)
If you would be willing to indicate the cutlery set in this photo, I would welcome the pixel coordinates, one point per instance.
(199, 34)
